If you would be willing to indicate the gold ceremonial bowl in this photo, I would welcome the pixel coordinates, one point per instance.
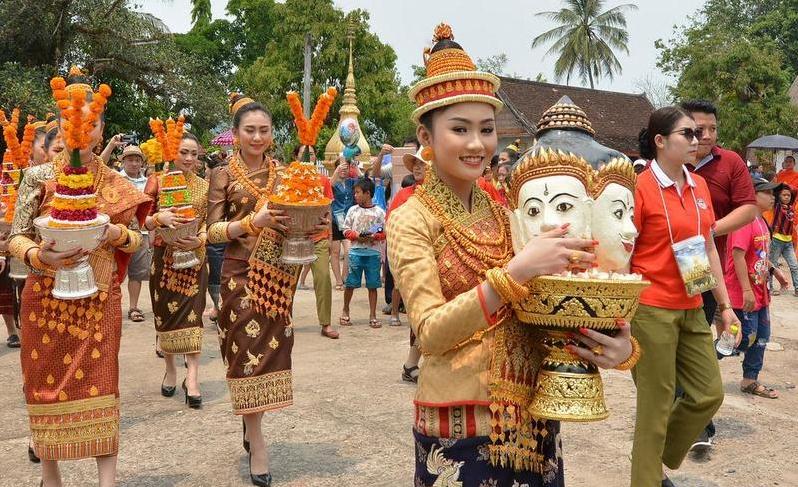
(569, 388)
(573, 302)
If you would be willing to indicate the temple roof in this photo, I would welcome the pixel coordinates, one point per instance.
(616, 117)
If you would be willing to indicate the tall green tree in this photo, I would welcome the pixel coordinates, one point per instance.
(585, 39)
(132, 51)
(382, 101)
(739, 61)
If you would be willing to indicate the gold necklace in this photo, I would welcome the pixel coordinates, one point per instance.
(240, 175)
(465, 243)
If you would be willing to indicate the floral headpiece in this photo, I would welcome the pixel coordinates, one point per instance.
(451, 77)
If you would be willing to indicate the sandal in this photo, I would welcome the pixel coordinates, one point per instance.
(345, 321)
(135, 315)
(395, 321)
(410, 374)
(339, 287)
(375, 323)
(757, 389)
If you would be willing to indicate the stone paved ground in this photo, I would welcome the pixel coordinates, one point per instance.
(350, 424)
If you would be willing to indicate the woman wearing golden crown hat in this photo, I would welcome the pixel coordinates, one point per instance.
(255, 329)
(70, 363)
(451, 253)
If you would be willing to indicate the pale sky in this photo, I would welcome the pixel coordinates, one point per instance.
(487, 28)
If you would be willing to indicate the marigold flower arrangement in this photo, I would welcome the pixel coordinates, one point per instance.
(74, 202)
(308, 130)
(169, 135)
(300, 184)
(9, 187)
(174, 191)
(17, 157)
(152, 151)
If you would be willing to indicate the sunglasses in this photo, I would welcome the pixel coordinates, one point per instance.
(689, 133)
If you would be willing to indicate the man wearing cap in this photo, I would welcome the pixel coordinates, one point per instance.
(139, 268)
(417, 166)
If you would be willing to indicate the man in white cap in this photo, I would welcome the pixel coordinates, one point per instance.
(417, 166)
(139, 268)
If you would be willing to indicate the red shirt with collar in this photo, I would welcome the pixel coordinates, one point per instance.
(729, 184)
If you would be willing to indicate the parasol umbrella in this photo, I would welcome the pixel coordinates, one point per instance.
(225, 139)
(774, 142)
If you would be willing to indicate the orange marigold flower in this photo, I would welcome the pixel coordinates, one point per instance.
(58, 83)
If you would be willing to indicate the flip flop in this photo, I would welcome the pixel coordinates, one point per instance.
(345, 321)
(375, 323)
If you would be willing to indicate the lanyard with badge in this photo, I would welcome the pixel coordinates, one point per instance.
(690, 253)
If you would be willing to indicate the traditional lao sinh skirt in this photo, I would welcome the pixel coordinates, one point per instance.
(255, 331)
(70, 371)
(466, 462)
(178, 301)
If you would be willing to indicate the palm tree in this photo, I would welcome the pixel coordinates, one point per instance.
(585, 39)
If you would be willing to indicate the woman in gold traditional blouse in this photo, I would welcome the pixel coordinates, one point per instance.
(70, 349)
(255, 329)
(178, 295)
(450, 249)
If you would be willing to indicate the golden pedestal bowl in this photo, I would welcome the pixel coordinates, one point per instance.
(569, 388)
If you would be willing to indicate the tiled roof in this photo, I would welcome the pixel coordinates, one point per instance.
(616, 117)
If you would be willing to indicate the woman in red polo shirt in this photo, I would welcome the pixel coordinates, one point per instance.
(676, 252)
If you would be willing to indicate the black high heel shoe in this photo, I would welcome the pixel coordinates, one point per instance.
(245, 441)
(32, 455)
(262, 479)
(167, 391)
(194, 402)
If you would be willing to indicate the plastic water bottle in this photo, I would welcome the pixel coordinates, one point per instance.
(726, 341)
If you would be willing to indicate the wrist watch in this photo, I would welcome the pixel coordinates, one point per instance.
(724, 306)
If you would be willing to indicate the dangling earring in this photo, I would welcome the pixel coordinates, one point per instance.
(427, 154)
(236, 144)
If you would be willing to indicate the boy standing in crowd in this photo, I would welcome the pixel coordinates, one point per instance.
(364, 227)
(746, 276)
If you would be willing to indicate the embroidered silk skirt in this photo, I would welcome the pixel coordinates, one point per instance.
(70, 371)
(466, 463)
(178, 301)
(256, 349)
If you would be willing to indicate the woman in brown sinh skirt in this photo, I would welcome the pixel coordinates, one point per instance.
(178, 295)
(255, 329)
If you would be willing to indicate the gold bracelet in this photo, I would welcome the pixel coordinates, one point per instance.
(633, 357)
(217, 232)
(505, 286)
(133, 242)
(248, 226)
(519, 290)
(33, 259)
(123, 236)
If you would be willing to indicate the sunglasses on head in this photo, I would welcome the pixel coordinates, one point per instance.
(689, 133)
